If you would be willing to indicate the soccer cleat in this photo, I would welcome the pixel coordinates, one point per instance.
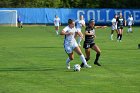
(68, 65)
(87, 66)
(96, 63)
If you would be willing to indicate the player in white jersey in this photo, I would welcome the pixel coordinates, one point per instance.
(130, 22)
(57, 23)
(71, 45)
(79, 24)
(114, 26)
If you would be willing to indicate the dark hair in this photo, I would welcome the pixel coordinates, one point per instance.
(70, 21)
(91, 20)
(130, 15)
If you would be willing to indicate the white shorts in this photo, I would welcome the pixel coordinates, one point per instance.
(70, 47)
(114, 27)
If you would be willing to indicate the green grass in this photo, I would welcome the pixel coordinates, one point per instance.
(32, 60)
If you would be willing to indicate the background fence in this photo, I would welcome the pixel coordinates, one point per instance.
(46, 15)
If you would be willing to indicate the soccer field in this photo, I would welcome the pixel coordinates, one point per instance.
(32, 60)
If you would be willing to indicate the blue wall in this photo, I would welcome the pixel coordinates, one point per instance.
(46, 15)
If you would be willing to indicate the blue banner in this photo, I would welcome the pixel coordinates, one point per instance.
(46, 15)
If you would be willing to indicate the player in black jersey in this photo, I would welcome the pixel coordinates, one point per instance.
(89, 41)
(120, 23)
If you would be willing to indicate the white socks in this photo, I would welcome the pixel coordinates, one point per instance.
(111, 37)
(129, 30)
(83, 59)
(68, 60)
(57, 32)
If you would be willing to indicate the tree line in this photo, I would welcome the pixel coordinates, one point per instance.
(69, 3)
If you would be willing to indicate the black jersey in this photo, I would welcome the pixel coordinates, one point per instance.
(89, 39)
(120, 21)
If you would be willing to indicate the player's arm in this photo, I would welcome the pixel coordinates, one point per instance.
(89, 33)
(113, 23)
(66, 33)
(59, 21)
(80, 34)
(125, 21)
(133, 22)
(84, 24)
(54, 21)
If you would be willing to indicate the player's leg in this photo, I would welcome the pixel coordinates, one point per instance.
(98, 52)
(70, 58)
(21, 25)
(118, 36)
(56, 29)
(78, 51)
(121, 33)
(18, 25)
(131, 29)
(69, 51)
(111, 36)
(128, 29)
(87, 51)
(116, 31)
(79, 38)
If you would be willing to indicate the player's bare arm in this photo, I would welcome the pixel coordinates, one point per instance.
(80, 34)
(66, 33)
(89, 33)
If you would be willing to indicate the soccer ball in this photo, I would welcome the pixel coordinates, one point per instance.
(76, 67)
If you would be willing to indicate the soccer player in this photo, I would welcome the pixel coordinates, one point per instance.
(19, 21)
(79, 24)
(71, 45)
(120, 23)
(56, 24)
(89, 42)
(130, 22)
(114, 26)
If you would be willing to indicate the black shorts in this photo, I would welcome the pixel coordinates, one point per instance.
(119, 27)
(88, 45)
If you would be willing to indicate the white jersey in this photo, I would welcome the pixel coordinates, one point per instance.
(130, 21)
(69, 41)
(70, 38)
(114, 24)
(79, 24)
(56, 21)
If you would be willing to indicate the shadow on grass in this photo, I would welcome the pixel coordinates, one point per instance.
(25, 69)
